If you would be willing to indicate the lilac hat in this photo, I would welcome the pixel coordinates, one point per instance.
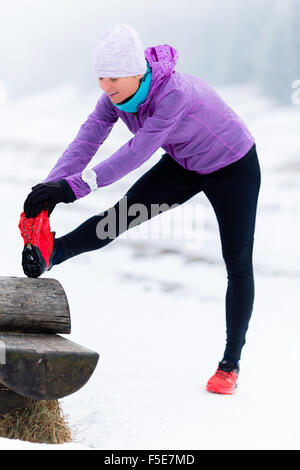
(119, 53)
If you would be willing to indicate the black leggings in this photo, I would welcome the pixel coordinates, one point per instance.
(233, 193)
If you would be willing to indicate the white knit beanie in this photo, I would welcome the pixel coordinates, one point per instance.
(119, 53)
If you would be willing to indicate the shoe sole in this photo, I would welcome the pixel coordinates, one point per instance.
(231, 392)
(32, 261)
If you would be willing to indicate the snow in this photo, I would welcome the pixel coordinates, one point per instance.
(154, 309)
(15, 444)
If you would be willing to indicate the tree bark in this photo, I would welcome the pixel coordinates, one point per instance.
(33, 306)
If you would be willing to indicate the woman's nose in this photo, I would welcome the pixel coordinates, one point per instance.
(105, 85)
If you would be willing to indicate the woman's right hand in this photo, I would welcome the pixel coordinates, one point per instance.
(45, 196)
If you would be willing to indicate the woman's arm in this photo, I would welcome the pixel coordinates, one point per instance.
(91, 135)
(154, 133)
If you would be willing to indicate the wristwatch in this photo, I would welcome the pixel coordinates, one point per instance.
(90, 178)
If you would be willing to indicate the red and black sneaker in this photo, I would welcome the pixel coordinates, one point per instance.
(224, 381)
(38, 244)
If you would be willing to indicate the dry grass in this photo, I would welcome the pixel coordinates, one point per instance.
(40, 422)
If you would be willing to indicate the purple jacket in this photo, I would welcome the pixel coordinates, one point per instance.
(182, 114)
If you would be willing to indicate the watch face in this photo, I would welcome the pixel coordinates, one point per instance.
(90, 177)
(88, 174)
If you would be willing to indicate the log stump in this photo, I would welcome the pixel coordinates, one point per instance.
(35, 362)
(10, 400)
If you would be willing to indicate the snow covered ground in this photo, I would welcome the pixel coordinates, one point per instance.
(154, 309)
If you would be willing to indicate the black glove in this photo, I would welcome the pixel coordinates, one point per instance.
(46, 195)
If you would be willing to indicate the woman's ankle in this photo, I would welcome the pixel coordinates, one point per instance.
(58, 252)
(232, 359)
(64, 250)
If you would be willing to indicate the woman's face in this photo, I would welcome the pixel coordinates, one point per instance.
(122, 87)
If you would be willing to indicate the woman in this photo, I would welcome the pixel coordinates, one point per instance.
(208, 148)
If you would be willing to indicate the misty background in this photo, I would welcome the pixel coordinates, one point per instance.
(47, 43)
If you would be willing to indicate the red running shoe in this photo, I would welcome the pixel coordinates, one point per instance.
(224, 381)
(38, 244)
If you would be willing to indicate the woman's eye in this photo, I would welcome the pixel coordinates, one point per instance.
(112, 79)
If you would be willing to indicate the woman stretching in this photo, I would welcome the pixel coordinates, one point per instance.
(207, 148)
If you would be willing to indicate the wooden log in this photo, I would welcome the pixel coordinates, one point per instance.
(10, 400)
(33, 306)
(44, 367)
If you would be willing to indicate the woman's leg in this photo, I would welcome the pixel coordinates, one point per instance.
(233, 192)
(165, 183)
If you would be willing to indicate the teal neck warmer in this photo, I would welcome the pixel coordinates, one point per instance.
(131, 106)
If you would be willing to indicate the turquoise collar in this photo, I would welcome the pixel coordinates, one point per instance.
(140, 96)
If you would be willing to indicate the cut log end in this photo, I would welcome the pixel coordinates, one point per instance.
(45, 366)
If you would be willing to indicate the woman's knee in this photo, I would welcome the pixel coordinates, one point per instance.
(239, 262)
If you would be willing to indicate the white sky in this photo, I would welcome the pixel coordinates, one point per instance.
(48, 42)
